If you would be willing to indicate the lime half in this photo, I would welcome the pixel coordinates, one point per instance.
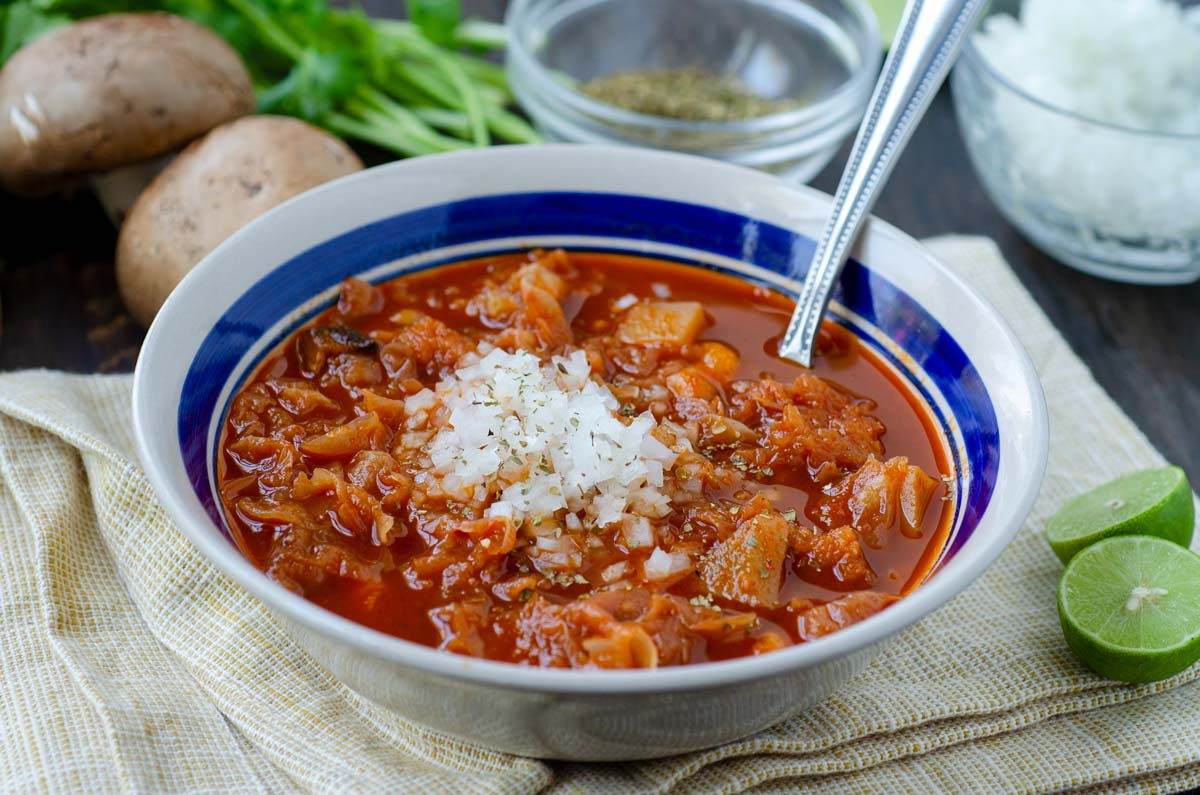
(1130, 608)
(1152, 502)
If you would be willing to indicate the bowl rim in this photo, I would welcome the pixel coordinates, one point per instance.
(972, 55)
(850, 93)
(955, 576)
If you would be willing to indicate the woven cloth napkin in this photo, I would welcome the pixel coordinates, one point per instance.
(128, 664)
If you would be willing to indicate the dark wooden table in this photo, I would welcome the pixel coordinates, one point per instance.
(61, 310)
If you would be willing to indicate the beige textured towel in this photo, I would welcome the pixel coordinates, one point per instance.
(127, 664)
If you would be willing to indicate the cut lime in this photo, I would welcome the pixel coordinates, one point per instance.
(1130, 608)
(1153, 502)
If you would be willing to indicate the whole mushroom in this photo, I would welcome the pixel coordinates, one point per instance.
(214, 187)
(111, 91)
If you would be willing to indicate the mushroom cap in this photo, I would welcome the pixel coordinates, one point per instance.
(111, 91)
(213, 188)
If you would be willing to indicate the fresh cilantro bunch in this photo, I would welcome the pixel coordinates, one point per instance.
(413, 87)
(23, 21)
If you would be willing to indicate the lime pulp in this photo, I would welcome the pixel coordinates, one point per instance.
(1130, 608)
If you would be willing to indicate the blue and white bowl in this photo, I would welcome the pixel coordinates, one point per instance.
(284, 268)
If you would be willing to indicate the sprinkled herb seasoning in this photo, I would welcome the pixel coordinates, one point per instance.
(690, 94)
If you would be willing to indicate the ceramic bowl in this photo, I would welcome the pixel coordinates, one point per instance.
(282, 269)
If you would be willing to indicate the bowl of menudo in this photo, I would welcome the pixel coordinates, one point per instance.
(503, 439)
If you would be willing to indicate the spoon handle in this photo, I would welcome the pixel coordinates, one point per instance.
(931, 33)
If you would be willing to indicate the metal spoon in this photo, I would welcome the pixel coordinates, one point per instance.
(931, 33)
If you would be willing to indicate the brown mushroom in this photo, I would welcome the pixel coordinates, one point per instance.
(111, 91)
(214, 187)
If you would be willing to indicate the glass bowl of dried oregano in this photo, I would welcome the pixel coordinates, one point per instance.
(772, 84)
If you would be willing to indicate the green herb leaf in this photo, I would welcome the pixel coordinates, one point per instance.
(436, 19)
(313, 87)
(398, 84)
(22, 22)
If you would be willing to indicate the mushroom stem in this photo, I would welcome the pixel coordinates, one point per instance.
(118, 189)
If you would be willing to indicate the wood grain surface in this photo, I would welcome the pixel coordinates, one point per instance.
(61, 309)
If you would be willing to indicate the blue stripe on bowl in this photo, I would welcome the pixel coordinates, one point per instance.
(291, 286)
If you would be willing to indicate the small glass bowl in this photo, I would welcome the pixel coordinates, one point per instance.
(822, 54)
(1111, 201)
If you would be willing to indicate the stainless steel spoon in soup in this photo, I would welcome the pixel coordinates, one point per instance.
(931, 33)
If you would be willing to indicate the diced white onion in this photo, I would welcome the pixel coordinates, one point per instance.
(661, 565)
(614, 572)
(637, 532)
(545, 438)
(625, 301)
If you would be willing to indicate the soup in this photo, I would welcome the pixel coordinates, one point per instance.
(581, 460)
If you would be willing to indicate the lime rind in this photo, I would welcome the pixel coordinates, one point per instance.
(1160, 635)
(1155, 502)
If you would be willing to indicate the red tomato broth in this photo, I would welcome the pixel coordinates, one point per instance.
(749, 318)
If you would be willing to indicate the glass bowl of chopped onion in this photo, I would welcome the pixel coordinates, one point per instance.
(772, 85)
(1082, 118)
